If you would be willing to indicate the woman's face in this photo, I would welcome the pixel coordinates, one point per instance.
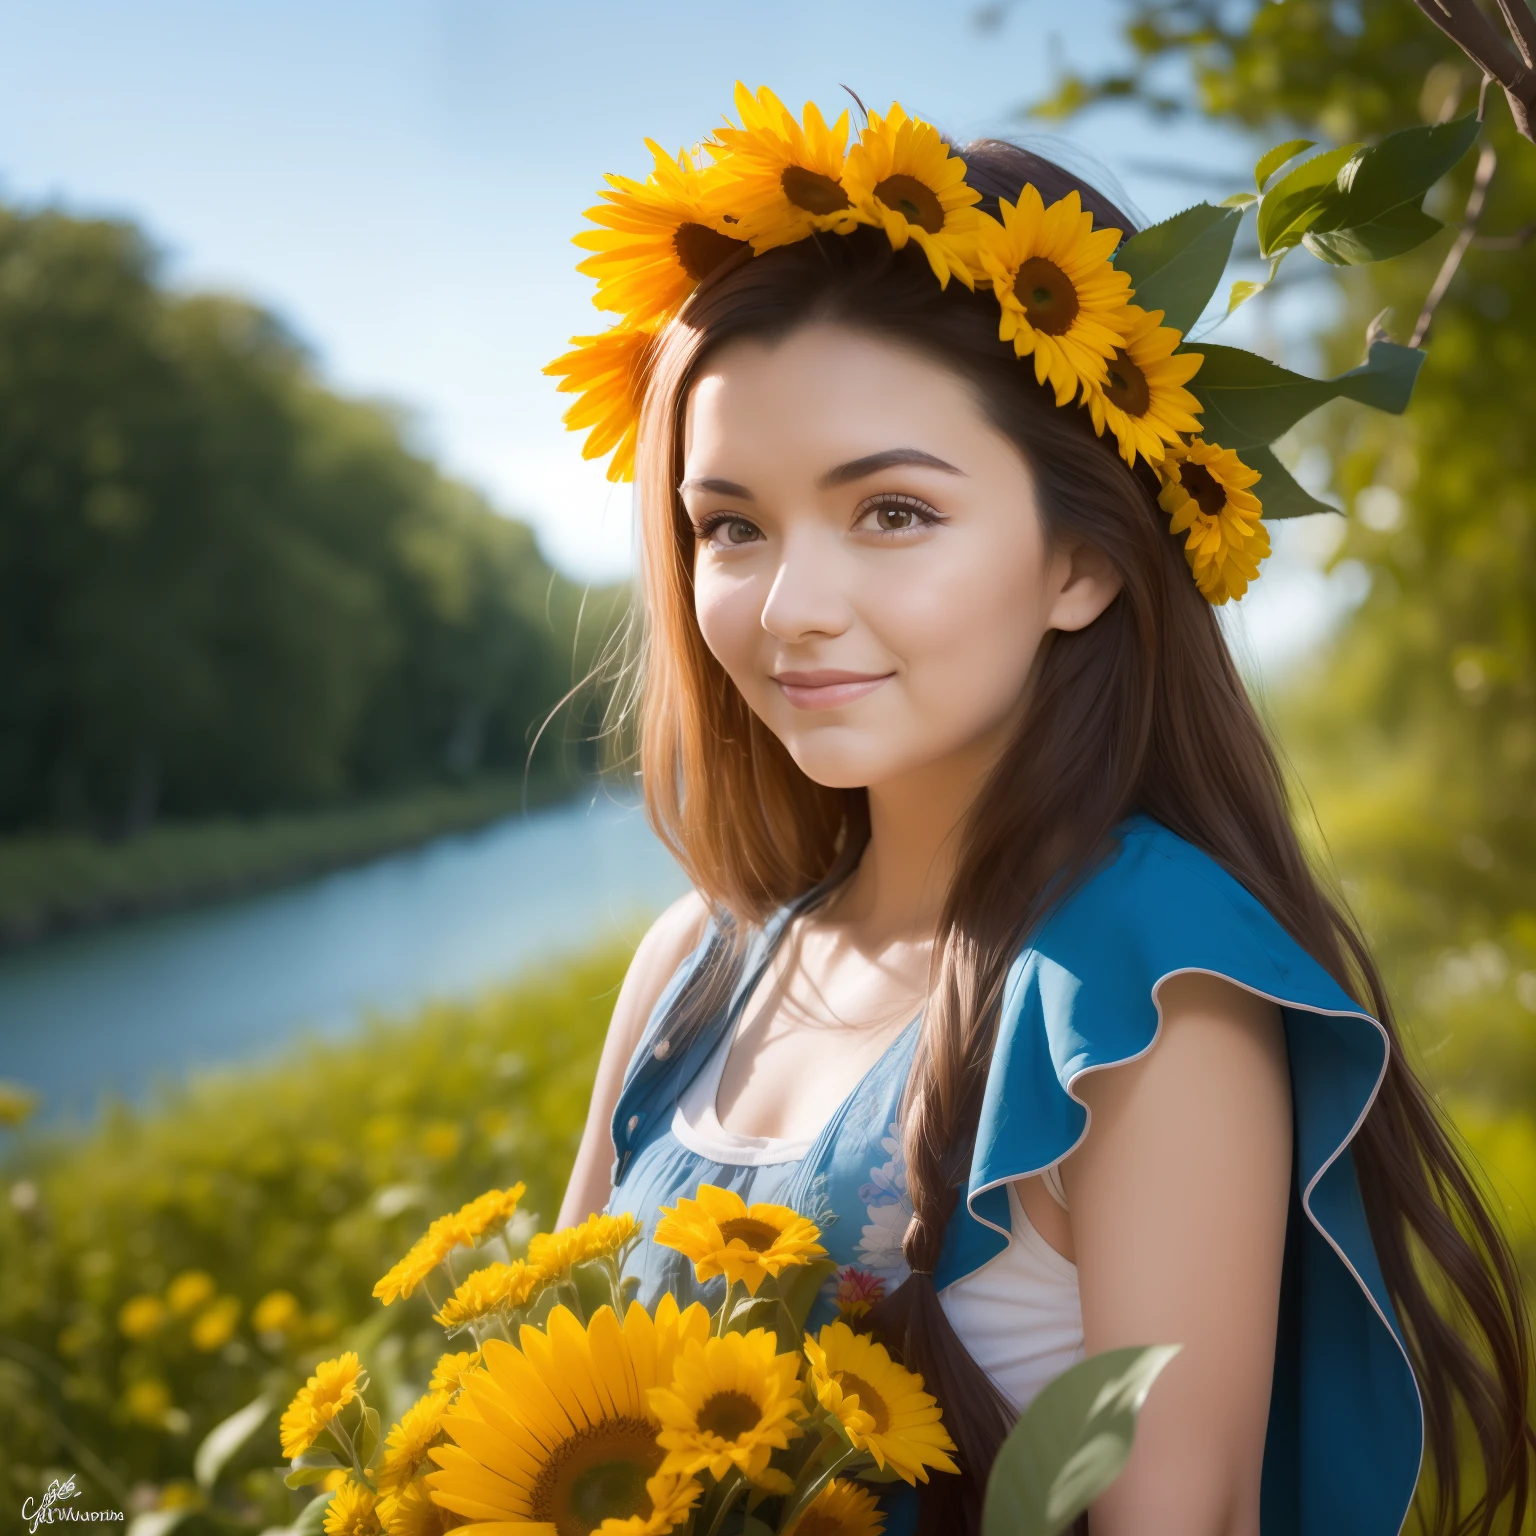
(872, 570)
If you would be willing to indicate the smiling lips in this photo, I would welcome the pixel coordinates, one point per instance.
(827, 689)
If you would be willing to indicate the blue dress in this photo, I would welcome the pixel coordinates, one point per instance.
(1345, 1435)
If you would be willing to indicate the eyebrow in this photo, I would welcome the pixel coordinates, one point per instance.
(718, 488)
(890, 458)
(842, 474)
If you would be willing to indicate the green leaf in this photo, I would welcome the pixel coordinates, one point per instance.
(1176, 265)
(226, 1438)
(1273, 159)
(1290, 206)
(1242, 291)
(310, 1468)
(800, 1286)
(1071, 1443)
(1249, 402)
(1374, 212)
(369, 1435)
(1278, 491)
(311, 1521)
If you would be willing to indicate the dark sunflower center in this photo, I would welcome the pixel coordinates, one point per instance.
(819, 1523)
(908, 196)
(1127, 385)
(1207, 490)
(869, 1400)
(1048, 295)
(757, 1235)
(596, 1475)
(812, 191)
(729, 1415)
(701, 249)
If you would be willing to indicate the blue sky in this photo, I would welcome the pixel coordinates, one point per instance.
(400, 179)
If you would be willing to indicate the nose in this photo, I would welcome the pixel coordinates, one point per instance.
(807, 597)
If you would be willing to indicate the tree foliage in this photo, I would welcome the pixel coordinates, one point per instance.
(223, 587)
(1415, 732)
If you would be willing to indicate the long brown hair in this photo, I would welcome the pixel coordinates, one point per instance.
(1126, 716)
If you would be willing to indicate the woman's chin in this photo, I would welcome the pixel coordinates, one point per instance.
(844, 769)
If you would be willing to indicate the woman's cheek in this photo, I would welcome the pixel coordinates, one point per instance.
(970, 643)
(727, 612)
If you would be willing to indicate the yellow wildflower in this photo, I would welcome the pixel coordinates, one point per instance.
(188, 1291)
(334, 1385)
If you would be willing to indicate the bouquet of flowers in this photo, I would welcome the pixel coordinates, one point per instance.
(580, 1412)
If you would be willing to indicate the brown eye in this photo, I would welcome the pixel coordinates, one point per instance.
(896, 514)
(739, 531)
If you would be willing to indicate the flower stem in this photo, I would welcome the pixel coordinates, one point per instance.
(729, 1487)
(807, 1495)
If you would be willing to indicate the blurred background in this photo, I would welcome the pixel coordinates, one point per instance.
(309, 923)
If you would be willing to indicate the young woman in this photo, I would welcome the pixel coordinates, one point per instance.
(1004, 961)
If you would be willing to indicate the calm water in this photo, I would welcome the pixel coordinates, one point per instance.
(117, 1009)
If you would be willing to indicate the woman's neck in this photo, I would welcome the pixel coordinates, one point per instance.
(915, 822)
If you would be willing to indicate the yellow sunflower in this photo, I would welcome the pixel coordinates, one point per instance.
(1142, 399)
(411, 1512)
(733, 1402)
(841, 1509)
(449, 1371)
(1206, 493)
(353, 1511)
(657, 239)
(672, 1498)
(1061, 298)
(902, 177)
(881, 1405)
(489, 1212)
(496, 1288)
(608, 372)
(598, 1237)
(406, 1445)
(556, 1432)
(723, 1235)
(334, 1385)
(781, 178)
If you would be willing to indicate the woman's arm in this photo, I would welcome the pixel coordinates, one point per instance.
(670, 940)
(1178, 1199)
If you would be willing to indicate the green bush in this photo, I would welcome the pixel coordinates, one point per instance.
(134, 1263)
(57, 880)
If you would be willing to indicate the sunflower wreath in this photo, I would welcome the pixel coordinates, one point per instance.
(1102, 319)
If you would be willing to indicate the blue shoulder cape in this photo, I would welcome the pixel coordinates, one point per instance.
(1345, 1434)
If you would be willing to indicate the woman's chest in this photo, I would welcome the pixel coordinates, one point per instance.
(851, 1182)
(808, 1034)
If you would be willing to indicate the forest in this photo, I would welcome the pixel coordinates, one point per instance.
(225, 588)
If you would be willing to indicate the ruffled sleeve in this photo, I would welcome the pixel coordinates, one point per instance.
(1346, 1426)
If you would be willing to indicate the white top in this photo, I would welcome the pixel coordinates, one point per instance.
(1019, 1314)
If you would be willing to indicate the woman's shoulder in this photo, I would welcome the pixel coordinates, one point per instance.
(660, 958)
(1156, 905)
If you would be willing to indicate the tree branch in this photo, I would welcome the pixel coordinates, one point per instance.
(1521, 21)
(1486, 162)
(1474, 34)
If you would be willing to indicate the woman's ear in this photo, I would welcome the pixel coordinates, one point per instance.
(1083, 585)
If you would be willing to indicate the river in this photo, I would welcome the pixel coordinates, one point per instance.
(115, 1010)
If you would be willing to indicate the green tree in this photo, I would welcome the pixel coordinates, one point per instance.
(1415, 731)
(222, 586)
